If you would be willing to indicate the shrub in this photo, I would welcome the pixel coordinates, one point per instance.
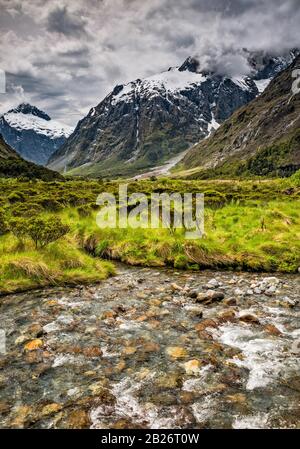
(74, 200)
(84, 211)
(41, 230)
(18, 227)
(101, 248)
(3, 224)
(15, 197)
(50, 204)
(26, 210)
(296, 178)
(46, 230)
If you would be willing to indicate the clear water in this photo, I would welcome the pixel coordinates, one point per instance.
(105, 356)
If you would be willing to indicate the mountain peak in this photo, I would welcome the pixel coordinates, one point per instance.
(258, 133)
(190, 64)
(144, 122)
(26, 108)
(265, 65)
(32, 133)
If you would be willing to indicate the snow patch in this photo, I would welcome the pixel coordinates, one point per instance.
(174, 80)
(213, 125)
(170, 81)
(51, 128)
(240, 81)
(262, 84)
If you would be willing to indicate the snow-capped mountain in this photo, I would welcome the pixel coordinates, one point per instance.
(145, 122)
(260, 139)
(32, 133)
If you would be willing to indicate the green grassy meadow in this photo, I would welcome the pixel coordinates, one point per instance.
(250, 225)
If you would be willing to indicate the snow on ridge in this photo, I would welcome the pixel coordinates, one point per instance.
(124, 94)
(240, 81)
(262, 84)
(175, 80)
(172, 81)
(51, 128)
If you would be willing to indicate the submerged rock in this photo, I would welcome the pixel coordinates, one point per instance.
(21, 416)
(176, 352)
(209, 297)
(169, 380)
(248, 318)
(33, 345)
(192, 367)
(230, 302)
(239, 292)
(228, 315)
(50, 409)
(273, 330)
(205, 324)
(77, 419)
(288, 302)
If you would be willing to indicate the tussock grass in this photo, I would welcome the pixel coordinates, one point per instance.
(263, 236)
(58, 264)
(25, 266)
(249, 225)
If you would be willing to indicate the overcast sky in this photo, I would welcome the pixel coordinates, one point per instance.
(65, 56)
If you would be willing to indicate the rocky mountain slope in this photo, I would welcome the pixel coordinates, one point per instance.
(262, 138)
(32, 133)
(13, 166)
(146, 122)
(6, 151)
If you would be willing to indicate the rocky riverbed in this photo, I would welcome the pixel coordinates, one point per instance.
(154, 349)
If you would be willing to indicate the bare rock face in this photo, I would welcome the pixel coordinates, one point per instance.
(5, 150)
(145, 122)
(261, 138)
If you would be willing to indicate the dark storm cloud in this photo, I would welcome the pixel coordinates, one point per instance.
(66, 55)
(60, 20)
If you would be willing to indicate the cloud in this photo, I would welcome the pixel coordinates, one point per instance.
(60, 20)
(68, 54)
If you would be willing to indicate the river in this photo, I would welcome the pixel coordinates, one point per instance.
(154, 348)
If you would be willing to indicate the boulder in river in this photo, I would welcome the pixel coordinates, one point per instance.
(210, 296)
(213, 283)
(204, 324)
(249, 319)
(176, 352)
(192, 367)
(33, 345)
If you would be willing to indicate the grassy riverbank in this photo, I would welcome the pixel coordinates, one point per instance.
(249, 225)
